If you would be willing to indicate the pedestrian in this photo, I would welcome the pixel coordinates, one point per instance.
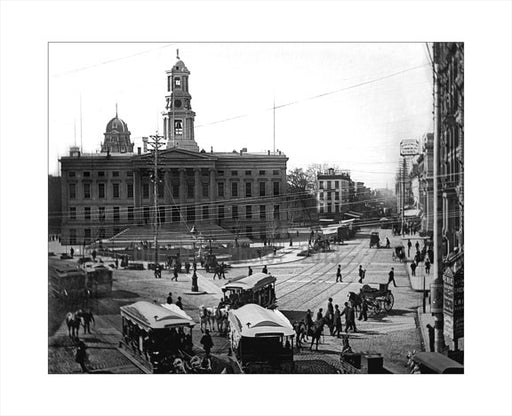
(413, 268)
(87, 318)
(223, 267)
(409, 245)
(363, 314)
(179, 304)
(308, 320)
(388, 244)
(250, 271)
(417, 245)
(338, 274)
(81, 355)
(94, 255)
(117, 263)
(319, 315)
(337, 322)
(361, 274)
(187, 267)
(391, 275)
(265, 269)
(427, 265)
(206, 342)
(169, 299)
(71, 252)
(347, 313)
(175, 274)
(431, 337)
(330, 315)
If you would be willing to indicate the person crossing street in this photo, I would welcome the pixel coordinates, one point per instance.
(391, 275)
(338, 274)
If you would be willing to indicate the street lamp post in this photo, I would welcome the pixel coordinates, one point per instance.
(155, 143)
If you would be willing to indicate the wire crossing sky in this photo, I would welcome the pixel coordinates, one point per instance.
(346, 104)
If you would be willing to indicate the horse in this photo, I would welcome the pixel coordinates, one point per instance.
(355, 300)
(73, 321)
(301, 333)
(207, 317)
(221, 317)
(316, 332)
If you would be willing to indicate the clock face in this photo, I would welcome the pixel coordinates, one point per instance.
(177, 103)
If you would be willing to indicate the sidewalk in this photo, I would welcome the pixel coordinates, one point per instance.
(421, 281)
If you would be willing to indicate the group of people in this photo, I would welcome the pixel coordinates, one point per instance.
(421, 255)
(178, 303)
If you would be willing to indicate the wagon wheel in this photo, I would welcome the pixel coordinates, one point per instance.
(389, 302)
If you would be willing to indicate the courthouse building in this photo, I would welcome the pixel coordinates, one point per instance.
(107, 193)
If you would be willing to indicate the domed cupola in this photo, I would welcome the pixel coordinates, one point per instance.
(117, 137)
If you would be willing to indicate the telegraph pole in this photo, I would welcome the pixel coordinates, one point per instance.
(155, 142)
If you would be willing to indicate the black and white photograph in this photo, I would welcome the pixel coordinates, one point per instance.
(217, 212)
(197, 223)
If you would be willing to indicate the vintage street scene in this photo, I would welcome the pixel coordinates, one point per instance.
(273, 208)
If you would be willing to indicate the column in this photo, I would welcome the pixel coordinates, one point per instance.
(137, 196)
(213, 195)
(197, 193)
(183, 190)
(167, 195)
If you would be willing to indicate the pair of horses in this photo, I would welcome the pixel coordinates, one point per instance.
(73, 322)
(214, 315)
(77, 318)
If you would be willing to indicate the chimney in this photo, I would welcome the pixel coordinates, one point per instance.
(211, 149)
(145, 144)
(268, 152)
(138, 150)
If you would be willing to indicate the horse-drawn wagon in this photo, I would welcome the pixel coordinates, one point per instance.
(377, 299)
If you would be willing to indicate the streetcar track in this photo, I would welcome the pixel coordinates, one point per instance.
(329, 267)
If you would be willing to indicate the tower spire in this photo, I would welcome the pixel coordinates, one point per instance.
(177, 54)
(116, 109)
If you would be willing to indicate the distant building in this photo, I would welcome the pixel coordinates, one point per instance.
(105, 193)
(333, 193)
(54, 204)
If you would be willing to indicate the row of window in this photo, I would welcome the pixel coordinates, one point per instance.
(330, 184)
(174, 212)
(117, 174)
(329, 196)
(175, 189)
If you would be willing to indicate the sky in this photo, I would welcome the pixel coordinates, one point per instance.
(343, 104)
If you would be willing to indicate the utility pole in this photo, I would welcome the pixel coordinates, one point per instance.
(155, 142)
(403, 195)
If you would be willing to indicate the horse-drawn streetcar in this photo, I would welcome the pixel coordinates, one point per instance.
(155, 334)
(261, 340)
(258, 288)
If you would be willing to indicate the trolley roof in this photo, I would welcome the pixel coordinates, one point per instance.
(149, 315)
(254, 321)
(62, 267)
(438, 362)
(253, 282)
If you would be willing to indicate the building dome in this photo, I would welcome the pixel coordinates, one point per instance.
(116, 125)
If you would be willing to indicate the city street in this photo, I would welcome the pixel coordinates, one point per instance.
(302, 283)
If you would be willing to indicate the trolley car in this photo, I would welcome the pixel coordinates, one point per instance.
(261, 340)
(151, 333)
(258, 288)
(66, 280)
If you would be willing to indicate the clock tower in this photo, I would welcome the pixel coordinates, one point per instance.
(178, 115)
